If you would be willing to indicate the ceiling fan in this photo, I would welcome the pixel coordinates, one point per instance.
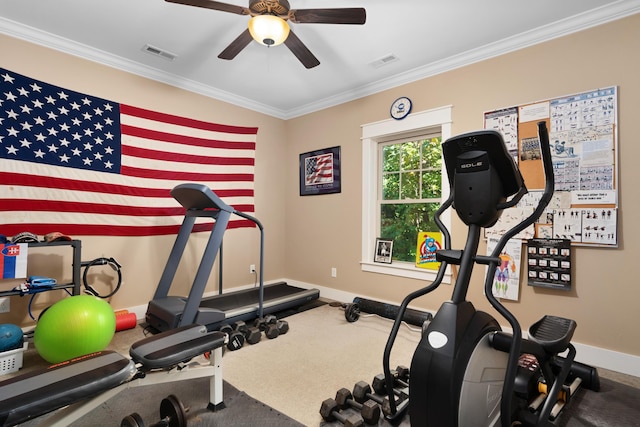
(268, 24)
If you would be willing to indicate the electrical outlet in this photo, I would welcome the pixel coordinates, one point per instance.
(5, 305)
(334, 272)
(252, 269)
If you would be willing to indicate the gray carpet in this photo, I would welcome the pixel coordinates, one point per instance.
(241, 409)
(615, 404)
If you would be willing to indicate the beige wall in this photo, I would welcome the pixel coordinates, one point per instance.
(325, 231)
(144, 258)
(307, 236)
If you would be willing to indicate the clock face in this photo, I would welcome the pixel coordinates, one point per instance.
(400, 108)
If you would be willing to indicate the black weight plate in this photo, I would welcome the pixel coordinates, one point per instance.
(133, 420)
(172, 410)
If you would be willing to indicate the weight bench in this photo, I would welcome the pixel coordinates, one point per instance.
(82, 384)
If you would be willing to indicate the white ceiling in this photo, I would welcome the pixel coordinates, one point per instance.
(426, 36)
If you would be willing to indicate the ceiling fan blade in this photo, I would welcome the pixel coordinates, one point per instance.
(301, 51)
(215, 5)
(236, 46)
(350, 15)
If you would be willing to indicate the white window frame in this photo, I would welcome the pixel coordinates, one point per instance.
(372, 135)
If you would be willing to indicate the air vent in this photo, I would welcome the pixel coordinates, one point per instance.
(159, 52)
(384, 61)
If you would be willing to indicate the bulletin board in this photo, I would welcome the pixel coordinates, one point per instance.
(583, 130)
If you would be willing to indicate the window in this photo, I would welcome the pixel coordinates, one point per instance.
(409, 190)
(402, 185)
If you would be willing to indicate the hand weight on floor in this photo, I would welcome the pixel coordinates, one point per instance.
(236, 338)
(172, 414)
(268, 325)
(379, 383)
(132, 420)
(330, 411)
(252, 335)
(369, 410)
(362, 392)
(283, 327)
(352, 312)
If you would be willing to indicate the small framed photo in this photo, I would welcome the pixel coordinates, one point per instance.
(384, 251)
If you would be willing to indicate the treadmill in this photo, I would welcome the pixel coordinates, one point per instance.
(167, 312)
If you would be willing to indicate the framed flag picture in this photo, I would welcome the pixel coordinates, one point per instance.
(320, 172)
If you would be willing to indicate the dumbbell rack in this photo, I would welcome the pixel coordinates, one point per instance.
(367, 403)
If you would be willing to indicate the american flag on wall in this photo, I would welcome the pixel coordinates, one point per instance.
(83, 165)
(319, 169)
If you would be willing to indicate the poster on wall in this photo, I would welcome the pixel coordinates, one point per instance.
(506, 281)
(550, 263)
(429, 242)
(583, 140)
(506, 122)
(320, 172)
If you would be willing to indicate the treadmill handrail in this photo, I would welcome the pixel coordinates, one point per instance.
(199, 197)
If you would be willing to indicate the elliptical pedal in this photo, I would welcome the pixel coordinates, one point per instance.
(553, 333)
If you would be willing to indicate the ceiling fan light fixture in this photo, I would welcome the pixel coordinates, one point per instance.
(268, 30)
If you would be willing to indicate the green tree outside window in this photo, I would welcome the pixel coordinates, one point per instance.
(411, 191)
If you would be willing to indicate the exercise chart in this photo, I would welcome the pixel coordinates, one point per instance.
(583, 138)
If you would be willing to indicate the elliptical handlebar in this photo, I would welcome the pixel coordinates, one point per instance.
(405, 303)
(514, 351)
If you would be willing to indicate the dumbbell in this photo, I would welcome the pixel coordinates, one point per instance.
(252, 335)
(132, 420)
(369, 410)
(268, 325)
(362, 392)
(403, 373)
(379, 383)
(283, 327)
(172, 414)
(351, 312)
(236, 338)
(330, 411)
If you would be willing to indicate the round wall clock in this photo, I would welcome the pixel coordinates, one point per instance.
(401, 108)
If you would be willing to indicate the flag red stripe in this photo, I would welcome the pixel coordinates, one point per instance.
(185, 158)
(98, 208)
(92, 208)
(184, 121)
(184, 139)
(112, 230)
(186, 176)
(19, 179)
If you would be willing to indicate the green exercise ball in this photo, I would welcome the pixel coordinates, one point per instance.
(73, 327)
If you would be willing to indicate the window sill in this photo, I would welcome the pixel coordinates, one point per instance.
(407, 270)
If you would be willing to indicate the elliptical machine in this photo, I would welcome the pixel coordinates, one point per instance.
(465, 371)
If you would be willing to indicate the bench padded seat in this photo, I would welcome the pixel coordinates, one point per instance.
(175, 346)
(36, 393)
